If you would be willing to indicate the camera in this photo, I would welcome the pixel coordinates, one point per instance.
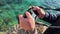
(33, 13)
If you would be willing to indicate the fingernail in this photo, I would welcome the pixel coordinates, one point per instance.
(20, 15)
(27, 12)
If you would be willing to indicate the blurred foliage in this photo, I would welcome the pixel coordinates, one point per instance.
(10, 9)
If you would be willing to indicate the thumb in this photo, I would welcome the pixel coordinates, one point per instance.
(28, 15)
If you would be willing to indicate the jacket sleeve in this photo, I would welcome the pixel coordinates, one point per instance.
(51, 18)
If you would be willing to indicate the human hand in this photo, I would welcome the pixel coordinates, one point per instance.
(27, 23)
(38, 10)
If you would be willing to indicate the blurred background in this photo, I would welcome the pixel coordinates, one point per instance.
(10, 9)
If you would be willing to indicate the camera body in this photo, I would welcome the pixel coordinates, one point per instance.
(33, 13)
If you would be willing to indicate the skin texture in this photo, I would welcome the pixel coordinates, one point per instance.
(27, 23)
(39, 10)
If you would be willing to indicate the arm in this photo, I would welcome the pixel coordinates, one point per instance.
(28, 23)
(51, 17)
(47, 16)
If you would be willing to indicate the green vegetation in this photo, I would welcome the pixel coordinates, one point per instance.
(10, 9)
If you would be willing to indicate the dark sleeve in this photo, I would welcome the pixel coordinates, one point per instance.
(51, 18)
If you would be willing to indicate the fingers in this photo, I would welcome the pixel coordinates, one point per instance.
(28, 15)
(36, 8)
(21, 18)
(22, 21)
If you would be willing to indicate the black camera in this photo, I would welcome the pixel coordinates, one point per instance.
(34, 13)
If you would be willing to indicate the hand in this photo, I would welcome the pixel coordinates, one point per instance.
(39, 10)
(27, 23)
